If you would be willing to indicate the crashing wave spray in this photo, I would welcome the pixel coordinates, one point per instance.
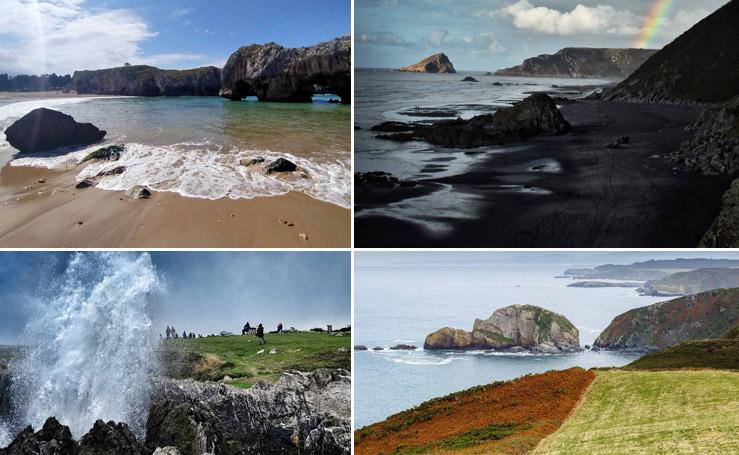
(92, 346)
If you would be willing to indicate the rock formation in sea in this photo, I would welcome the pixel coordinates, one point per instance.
(143, 80)
(525, 327)
(701, 316)
(582, 62)
(46, 129)
(697, 67)
(300, 413)
(693, 282)
(272, 72)
(536, 115)
(437, 63)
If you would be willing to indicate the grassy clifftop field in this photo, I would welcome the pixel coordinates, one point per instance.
(245, 362)
(650, 412)
(504, 417)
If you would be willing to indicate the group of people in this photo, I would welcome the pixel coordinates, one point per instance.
(259, 331)
(173, 335)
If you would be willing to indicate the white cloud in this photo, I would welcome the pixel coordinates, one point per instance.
(63, 36)
(581, 19)
(383, 39)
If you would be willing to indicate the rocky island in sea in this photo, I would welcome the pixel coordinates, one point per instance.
(253, 151)
(437, 63)
(648, 160)
(513, 328)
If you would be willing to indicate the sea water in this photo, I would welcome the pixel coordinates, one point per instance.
(403, 301)
(384, 95)
(90, 347)
(194, 145)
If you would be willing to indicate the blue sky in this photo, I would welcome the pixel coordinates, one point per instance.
(486, 35)
(203, 292)
(64, 35)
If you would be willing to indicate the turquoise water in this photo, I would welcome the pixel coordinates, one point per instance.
(400, 298)
(193, 145)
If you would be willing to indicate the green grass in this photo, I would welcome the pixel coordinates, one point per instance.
(653, 412)
(718, 354)
(239, 357)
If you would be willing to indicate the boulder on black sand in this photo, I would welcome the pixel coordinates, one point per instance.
(45, 129)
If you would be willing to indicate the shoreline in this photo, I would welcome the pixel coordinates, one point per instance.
(632, 196)
(41, 208)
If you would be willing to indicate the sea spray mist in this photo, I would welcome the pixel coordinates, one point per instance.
(91, 345)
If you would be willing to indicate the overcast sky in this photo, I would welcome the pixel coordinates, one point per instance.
(492, 34)
(203, 292)
(44, 36)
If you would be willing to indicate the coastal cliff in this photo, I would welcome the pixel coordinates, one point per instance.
(272, 72)
(697, 67)
(143, 80)
(706, 315)
(513, 327)
(693, 282)
(582, 62)
(437, 63)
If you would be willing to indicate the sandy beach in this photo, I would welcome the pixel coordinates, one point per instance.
(41, 208)
(563, 191)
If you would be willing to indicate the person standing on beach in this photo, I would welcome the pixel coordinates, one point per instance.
(260, 335)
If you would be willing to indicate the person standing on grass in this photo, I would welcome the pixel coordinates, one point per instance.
(260, 334)
(246, 329)
(279, 327)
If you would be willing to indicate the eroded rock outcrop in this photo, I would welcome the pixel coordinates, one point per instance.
(536, 115)
(46, 129)
(702, 316)
(582, 62)
(143, 80)
(514, 327)
(692, 282)
(301, 413)
(272, 72)
(724, 231)
(437, 63)
(52, 439)
(110, 438)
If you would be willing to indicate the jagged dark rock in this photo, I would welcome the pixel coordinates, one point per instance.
(403, 347)
(110, 438)
(537, 114)
(380, 179)
(693, 68)
(724, 231)
(46, 129)
(52, 439)
(86, 183)
(301, 413)
(437, 63)
(272, 72)
(143, 80)
(582, 62)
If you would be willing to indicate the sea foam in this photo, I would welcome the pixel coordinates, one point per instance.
(91, 347)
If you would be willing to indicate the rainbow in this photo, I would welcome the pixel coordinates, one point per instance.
(653, 22)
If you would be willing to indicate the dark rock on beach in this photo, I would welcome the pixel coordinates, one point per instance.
(86, 183)
(138, 192)
(469, 79)
(300, 413)
(109, 153)
(281, 165)
(379, 179)
(537, 114)
(45, 129)
(272, 72)
(143, 80)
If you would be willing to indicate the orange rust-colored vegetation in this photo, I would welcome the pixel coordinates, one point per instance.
(503, 418)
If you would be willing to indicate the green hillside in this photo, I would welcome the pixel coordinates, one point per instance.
(243, 360)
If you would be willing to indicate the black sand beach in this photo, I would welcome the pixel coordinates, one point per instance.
(631, 196)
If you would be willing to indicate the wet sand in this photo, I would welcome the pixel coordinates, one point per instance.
(54, 214)
(627, 197)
